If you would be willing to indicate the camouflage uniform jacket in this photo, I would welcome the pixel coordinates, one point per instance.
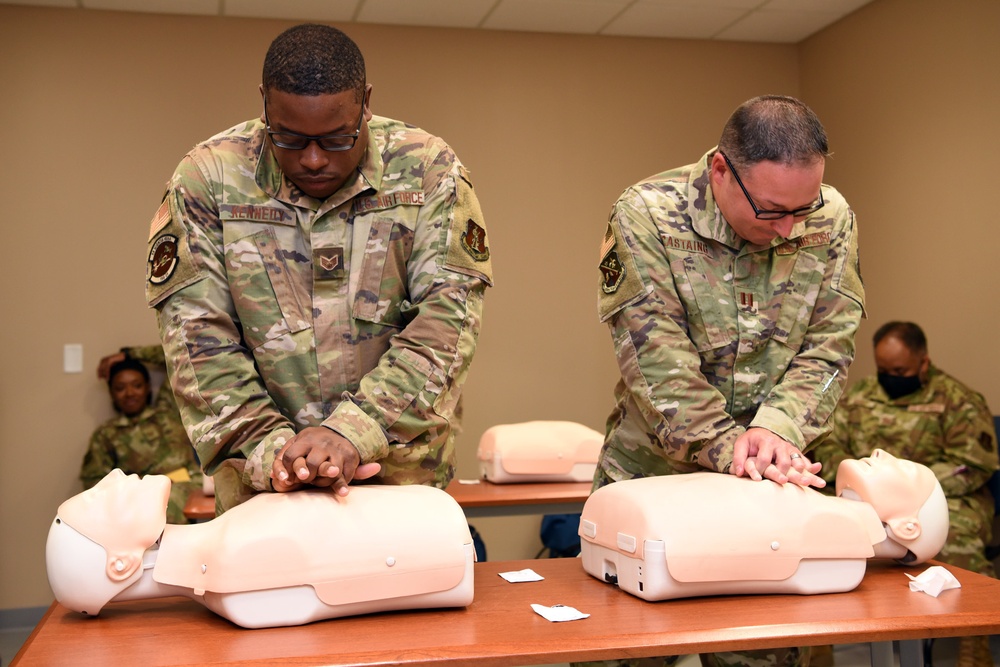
(150, 443)
(944, 425)
(278, 311)
(713, 334)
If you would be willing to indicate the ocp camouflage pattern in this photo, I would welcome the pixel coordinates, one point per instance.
(714, 335)
(944, 425)
(150, 443)
(360, 313)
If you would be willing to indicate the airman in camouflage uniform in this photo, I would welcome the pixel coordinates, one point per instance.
(725, 327)
(931, 418)
(317, 285)
(152, 442)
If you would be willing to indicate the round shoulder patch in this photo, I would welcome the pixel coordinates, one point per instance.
(162, 259)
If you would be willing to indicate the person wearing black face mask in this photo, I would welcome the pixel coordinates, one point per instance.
(915, 411)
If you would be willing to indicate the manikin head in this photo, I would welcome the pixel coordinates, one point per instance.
(96, 543)
(907, 498)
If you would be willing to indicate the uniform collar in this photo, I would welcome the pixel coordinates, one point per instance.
(272, 181)
(122, 421)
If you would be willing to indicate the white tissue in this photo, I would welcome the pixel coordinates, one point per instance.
(518, 576)
(558, 613)
(933, 580)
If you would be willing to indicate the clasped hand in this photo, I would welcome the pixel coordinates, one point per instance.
(759, 454)
(319, 457)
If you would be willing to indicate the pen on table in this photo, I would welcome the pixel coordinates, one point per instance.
(830, 381)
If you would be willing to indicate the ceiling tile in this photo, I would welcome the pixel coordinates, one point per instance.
(204, 7)
(778, 26)
(440, 13)
(788, 21)
(679, 20)
(568, 16)
(42, 3)
(300, 10)
(841, 7)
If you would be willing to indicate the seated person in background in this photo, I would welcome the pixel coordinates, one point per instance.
(145, 438)
(917, 412)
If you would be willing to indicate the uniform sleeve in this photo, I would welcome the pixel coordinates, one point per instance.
(659, 363)
(416, 385)
(800, 404)
(99, 460)
(834, 447)
(148, 354)
(223, 402)
(969, 451)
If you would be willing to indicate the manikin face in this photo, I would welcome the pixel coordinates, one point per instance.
(906, 496)
(773, 187)
(893, 486)
(318, 172)
(118, 504)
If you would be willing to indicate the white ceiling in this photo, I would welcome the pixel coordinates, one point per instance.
(779, 21)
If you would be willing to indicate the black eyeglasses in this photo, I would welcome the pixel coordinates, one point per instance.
(328, 142)
(773, 215)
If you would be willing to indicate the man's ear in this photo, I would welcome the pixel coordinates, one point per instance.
(717, 169)
(121, 566)
(906, 528)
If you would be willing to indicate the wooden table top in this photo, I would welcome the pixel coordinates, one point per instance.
(500, 628)
(554, 496)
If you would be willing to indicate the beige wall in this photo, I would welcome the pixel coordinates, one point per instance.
(98, 107)
(909, 92)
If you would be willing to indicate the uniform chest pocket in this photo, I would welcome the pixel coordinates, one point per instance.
(263, 289)
(711, 311)
(383, 286)
(795, 283)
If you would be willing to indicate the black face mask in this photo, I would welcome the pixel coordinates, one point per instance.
(897, 385)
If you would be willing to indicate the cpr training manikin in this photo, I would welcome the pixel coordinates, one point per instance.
(384, 548)
(278, 559)
(677, 536)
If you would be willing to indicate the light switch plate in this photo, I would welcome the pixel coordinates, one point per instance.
(73, 358)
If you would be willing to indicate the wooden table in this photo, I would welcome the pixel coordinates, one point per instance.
(488, 499)
(499, 627)
(482, 499)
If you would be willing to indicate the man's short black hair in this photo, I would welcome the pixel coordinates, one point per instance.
(776, 128)
(908, 333)
(314, 59)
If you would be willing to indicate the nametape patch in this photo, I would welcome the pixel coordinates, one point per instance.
(934, 408)
(255, 213)
(388, 200)
(687, 245)
(805, 241)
